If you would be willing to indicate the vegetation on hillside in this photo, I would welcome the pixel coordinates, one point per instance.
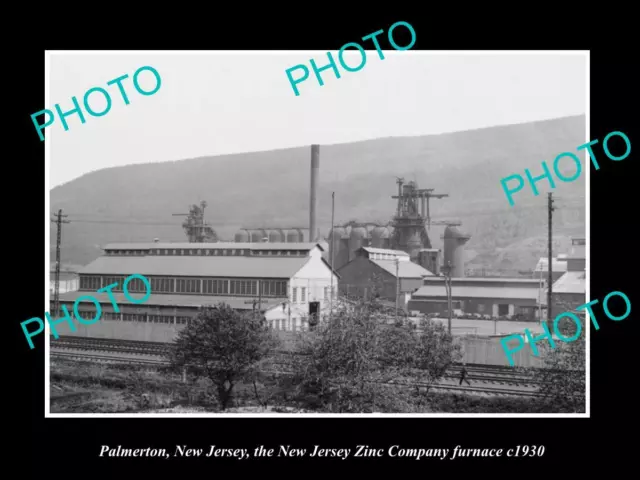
(135, 202)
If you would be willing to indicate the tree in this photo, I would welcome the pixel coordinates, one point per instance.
(435, 352)
(225, 346)
(563, 375)
(349, 364)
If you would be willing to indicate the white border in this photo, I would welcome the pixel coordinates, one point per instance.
(48, 413)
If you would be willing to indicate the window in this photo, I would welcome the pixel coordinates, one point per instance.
(326, 293)
(294, 294)
(303, 293)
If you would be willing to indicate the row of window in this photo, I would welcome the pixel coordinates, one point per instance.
(270, 288)
(209, 252)
(89, 315)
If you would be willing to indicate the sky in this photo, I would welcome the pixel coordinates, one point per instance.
(218, 103)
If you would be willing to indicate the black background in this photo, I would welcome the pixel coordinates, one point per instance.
(70, 447)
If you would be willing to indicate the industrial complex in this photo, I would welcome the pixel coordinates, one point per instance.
(293, 274)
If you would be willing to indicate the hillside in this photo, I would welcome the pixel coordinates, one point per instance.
(135, 202)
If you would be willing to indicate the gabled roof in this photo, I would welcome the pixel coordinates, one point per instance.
(197, 266)
(405, 269)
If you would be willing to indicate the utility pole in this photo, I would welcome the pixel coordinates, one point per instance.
(447, 283)
(333, 247)
(550, 267)
(56, 295)
(397, 286)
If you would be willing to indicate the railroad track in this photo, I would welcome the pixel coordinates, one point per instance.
(484, 389)
(476, 373)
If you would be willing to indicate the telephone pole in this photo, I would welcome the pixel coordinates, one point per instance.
(551, 208)
(447, 283)
(58, 219)
(397, 286)
(333, 247)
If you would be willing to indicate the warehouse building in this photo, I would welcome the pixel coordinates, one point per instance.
(186, 276)
(569, 291)
(378, 271)
(496, 297)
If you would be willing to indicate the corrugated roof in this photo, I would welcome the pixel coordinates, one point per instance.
(170, 300)
(188, 266)
(217, 245)
(478, 291)
(399, 253)
(571, 282)
(405, 269)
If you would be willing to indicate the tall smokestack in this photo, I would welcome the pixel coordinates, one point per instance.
(313, 200)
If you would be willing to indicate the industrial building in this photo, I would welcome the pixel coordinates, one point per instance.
(407, 231)
(569, 291)
(496, 297)
(383, 273)
(289, 282)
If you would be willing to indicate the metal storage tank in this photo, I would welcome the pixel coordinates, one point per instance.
(242, 236)
(378, 237)
(276, 236)
(358, 238)
(293, 236)
(335, 237)
(454, 241)
(257, 235)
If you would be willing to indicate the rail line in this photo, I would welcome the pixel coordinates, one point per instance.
(484, 389)
(484, 373)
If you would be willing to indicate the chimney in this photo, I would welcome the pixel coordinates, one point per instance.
(313, 200)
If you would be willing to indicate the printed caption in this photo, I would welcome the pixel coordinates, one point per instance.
(360, 451)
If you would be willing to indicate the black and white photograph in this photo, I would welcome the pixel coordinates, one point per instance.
(261, 234)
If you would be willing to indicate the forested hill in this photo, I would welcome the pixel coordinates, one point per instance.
(136, 202)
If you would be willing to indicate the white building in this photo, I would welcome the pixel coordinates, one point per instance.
(309, 291)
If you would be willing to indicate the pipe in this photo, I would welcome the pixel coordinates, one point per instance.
(313, 200)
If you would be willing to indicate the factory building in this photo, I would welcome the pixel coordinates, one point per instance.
(381, 272)
(407, 231)
(186, 276)
(569, 291)
(496, 297)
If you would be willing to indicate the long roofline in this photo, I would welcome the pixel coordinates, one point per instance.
(214, 245)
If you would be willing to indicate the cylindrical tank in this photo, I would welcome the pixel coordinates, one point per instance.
(335, 237)
(292, 236)
(276, 236)
(257, 235)
(357, 239)
(378, 237)
(454, 241)
(242, 236)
